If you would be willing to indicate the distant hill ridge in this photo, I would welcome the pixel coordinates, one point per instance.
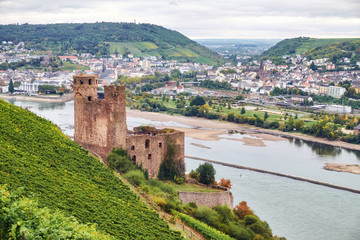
(109, 37)
(314, 48)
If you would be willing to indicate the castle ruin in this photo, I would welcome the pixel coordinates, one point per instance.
(100, 126)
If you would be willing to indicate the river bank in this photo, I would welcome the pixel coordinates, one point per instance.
(211, 130)
(52, 98)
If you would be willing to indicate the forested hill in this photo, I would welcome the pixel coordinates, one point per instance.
(36, 156)
(105, 37)
(314, 48)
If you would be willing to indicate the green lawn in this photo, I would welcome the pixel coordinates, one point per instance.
(248, 113)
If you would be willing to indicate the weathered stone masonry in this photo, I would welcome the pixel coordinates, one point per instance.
(100, 126)
(148, 147)
(208, 199)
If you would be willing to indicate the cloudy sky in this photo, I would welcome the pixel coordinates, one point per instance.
(201, 18)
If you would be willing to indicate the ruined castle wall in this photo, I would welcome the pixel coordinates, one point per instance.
(100, 124)
(151, 154)
(207, 199)
(114, 104)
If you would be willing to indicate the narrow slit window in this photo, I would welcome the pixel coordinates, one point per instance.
(147, 143)
(89, 81)
(149, 156)
(134, 159)
(160, 144)
(89, 98)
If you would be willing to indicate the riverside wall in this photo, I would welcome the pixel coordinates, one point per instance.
(209, 199)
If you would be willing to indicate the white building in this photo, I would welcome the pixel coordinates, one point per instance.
(335, 92)
(145, 64)
(4, 89)
(29, 87)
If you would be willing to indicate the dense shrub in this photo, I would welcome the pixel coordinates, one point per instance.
(135, 176)
(206, 173)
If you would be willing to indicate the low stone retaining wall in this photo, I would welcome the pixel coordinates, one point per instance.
(208, 199)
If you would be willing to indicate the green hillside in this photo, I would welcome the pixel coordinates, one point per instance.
(36, 155)
(32, 221)
(301, 45)
(146, 49)
(103, 38)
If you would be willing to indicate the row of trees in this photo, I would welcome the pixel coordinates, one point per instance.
(326, 126)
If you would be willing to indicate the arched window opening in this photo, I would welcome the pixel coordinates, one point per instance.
(133, 159)
(147, 143)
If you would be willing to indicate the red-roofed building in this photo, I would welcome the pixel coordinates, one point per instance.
(72, 58)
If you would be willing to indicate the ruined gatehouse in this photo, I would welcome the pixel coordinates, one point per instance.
(100, 126)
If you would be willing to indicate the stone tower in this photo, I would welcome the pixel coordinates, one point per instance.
(100, 124)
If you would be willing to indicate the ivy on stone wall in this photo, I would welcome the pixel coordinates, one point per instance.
(170, 169)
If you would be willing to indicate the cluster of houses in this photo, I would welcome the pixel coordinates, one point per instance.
(260, 78)
(29, 81)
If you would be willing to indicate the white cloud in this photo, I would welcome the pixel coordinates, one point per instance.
(201, 18)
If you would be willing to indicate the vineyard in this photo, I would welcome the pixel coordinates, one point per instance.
(60, 175)
(27, 221)
(205, 230)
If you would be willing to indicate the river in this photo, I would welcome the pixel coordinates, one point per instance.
(294, 209)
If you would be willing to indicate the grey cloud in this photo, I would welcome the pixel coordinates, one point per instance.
(225, 18)
(173, 3)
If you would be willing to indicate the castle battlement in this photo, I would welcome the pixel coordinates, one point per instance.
(113, 92)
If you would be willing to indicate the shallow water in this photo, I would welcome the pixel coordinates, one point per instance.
(294, 209)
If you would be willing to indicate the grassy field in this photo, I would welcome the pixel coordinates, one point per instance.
(313, 43)
(144, 49)
(186, 52)
(138, 49)
(274, 114)
(204, 60)
(71, 67)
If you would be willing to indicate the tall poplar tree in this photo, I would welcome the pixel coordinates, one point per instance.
(11, 86)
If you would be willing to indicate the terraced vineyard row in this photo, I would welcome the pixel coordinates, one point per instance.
(36, 155)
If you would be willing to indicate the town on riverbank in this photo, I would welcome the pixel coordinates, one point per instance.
(311, 100)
